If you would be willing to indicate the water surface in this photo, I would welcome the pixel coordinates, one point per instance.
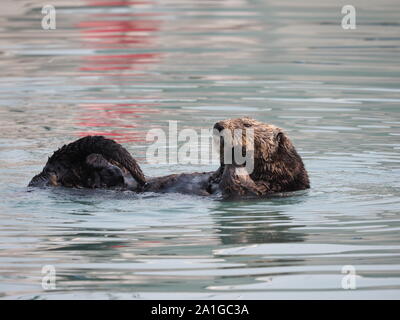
(119, 68)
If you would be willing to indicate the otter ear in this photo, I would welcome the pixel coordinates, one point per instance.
(284, 143)
(280, 137)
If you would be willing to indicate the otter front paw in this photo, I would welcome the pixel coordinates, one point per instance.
(236, 182)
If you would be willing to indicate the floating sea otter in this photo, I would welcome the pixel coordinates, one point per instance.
(97, 162)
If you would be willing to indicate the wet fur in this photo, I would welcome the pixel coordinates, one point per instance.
(277, 165)
(87, 163)
(97, 162)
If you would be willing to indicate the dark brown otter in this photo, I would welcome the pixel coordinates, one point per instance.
(97, 162)
(277, 165)
(90, 162)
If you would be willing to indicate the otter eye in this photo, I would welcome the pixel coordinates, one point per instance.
(247, 125)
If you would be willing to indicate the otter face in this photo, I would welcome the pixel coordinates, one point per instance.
(273, 155)
(259, 139)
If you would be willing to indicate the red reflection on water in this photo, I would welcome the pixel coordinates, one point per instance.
(115, 120)
(118, 62)
(123, 122)
(119, 26)
(99, 3)
(119, 32)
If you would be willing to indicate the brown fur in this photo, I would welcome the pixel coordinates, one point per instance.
(96, 162)
(277, 165)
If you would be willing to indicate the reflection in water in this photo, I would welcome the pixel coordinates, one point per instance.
(153, 251)
(122, 32)
(122, 117)
(246, 222)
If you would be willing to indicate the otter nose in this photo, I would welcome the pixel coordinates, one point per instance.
(218, 127)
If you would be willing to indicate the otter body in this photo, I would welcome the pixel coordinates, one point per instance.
(187, 183)
(90, 162)
(97, 162)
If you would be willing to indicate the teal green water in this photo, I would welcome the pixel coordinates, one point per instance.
(121, 68)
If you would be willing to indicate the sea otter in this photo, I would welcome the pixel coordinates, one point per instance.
(277, 165)
(97, 162)
(90, 162)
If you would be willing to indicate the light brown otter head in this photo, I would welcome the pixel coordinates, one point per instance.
(276, 162)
